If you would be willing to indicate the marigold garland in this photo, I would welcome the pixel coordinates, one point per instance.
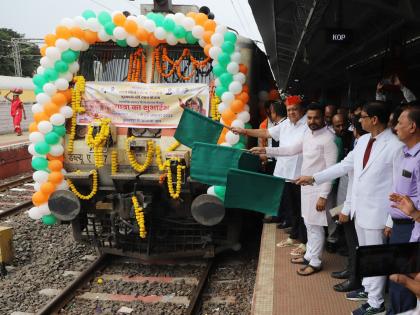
(139, 217)
(114, 162)
(174, 194)
(76, 100)
(158, 154)
(94, 187)
(134, 67)
(98, 142)
(214, 112)
(132, 158)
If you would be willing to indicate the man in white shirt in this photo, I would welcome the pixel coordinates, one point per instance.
(287, 133)
(319, 152)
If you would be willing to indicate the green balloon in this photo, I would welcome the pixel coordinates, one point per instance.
(169, 25)
(218, 70)
(248, 126)
(239, 145)
(220, 90)
(226, 79)
(60, 66)
(104, 18)
(49, 219)
(69, 56)
(39, 163)
(230, 37)
(180, 32)
(189, 37)
(50, 74)
(122, 42)
(228, 47)
(159, 19)
(220, 192)
(242, 140)
(223, 58)
(38, 90)
(60, 130)
(109, 28)
(87, 14)
(151, 16)
(52, 138)
(39, 80)
(42, 147)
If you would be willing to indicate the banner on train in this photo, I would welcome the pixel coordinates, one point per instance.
(140, 105)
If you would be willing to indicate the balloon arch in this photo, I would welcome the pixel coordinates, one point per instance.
(59, 65)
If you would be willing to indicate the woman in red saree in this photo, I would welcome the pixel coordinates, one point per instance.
(16, 111)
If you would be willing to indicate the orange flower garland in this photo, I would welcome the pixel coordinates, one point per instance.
(134, 67)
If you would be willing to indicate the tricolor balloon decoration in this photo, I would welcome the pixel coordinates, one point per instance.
(59, 64)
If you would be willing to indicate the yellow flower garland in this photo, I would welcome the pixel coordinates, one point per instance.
(76, 99)
(215, 101)
(98, 141)
(94, 187)
(174, 194)
(139, 217)
(132, 158)
(114, 162)
(158, 154)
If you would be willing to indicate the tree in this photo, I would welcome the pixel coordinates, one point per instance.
(29, 54)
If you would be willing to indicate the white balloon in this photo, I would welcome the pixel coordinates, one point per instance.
(149, 25)
(63, 171)
(44, 209)
(56, 150)
(263, 95)
(50, 89)
(80, 22)
(240, 77)
(231, 138)
(171, 39)
(74, 67)
(202, 43)
(103, 36)
(57, 119)
(37, 108)
(85, 46)
(235, 87)
(42, 98)
(63, 185)
(62, 44)
(75, 43)
(214, 52)
(66, 111)
(221, 107)
(140, 20)
(120, 33)
(132, 41)
(160, 33)
(217, 82)
(225, 144)
(217, 39)
(53, 53)
(221, 29)
(36, 137)
(246, 107)
(40, 70)
(179, 18)
(170, 16)
(45, 126)
(31, 149)
(244, 116)
(67, 22)
(46, 62)
(232, 67)
(40, 176)
(67, 76)
(198, 31)
(34, 213)
(61, 84)
(210, 191)
(236, 56)
(237, 123)
(228, 97)
(93, 24)
(214, 63)
(188, 23)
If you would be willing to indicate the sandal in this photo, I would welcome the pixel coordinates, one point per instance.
(299, 261)
(308, 270)
(299, 251)
(287, 243)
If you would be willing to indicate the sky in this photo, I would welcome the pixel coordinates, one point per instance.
(36, 18)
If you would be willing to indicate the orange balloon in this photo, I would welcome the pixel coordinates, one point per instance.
(40, 117)
(55, 177)
(191, 14)
(43, 50)
(77, 32)
(207, 36)
(206, 49)
(228, 116)
(59, 99)
(67, 94)
(237, 106)
(243, 68)
(51, 108)
(210, 25)
(243, 96)
(245, 88)
(200, 18)
(222, 136)
(33, 126)
(62, 32)
(48, 188)
(130, 26)
(153, 41)
(273, 95)
(142, 35)
(50, 39)
(39, 198)
(55, 165)
(54, 158)
(90, 37)
(119, 19)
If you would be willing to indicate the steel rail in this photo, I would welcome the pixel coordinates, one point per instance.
(15, 183)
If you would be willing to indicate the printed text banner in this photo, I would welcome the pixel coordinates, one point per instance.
(140, 105)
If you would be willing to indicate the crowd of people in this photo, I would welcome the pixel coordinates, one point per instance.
(352, 177)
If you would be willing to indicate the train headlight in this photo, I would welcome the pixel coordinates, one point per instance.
(64, 205)
(208, 210)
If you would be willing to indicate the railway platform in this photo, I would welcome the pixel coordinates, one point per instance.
(279, 290)
(14, 156)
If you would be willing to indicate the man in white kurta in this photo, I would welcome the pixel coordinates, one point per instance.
(319, 151)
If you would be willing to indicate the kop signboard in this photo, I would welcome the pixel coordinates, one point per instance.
(338, 35)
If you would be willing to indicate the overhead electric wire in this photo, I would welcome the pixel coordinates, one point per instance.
(239, 17)
(101, 4)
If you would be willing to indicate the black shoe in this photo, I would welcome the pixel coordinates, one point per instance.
(271, 220)
(331, 247)
(346, 286)
(283, 225)
(288, 230)
(343, 274)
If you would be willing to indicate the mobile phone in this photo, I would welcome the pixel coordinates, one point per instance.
(381, 260)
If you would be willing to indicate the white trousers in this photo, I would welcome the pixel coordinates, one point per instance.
(374, 286)
(315, 244)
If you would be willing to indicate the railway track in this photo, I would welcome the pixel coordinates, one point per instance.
(12, 192)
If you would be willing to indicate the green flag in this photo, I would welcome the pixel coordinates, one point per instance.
(210, 163)
(194, 127)
(253, 191)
